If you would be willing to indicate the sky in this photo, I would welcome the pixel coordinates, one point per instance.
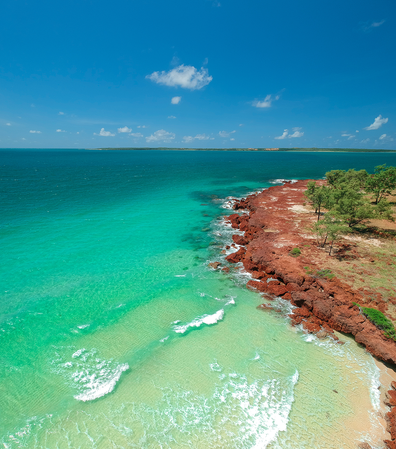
(198, 74)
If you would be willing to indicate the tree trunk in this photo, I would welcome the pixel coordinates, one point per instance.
(319, 213)
(324, 243)
(331, 247)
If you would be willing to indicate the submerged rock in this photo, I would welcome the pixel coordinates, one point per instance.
(214, 265)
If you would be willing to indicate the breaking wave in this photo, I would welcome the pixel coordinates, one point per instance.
(197, 322)
(282, 181)
(92, 376)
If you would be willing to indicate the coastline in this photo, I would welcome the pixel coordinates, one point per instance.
(257, 150)
(269, 224)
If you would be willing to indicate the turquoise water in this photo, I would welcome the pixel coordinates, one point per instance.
(115, 333)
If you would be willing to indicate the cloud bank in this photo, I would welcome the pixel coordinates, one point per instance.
(124, 129)
(161, 136)
(378, 122)
(104, 133)
(226, 134)
(266, 103)
(286, 135)
(185, 76)
(198, 137)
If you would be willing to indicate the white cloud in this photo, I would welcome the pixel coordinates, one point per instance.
(367, 26)
(142, 126)
(23, 138)
(187, 77)
(296, 134)
(232, 139)
(60, 131)
(61, 113)
(226, 134)
(365, 140)
(283, 136)
(104, 133)
(161, 136)
(386, 137)
(171, 116)
(8, 124)
(377, 24)
(175, 100)
(198, 137)
(125, 129)
(78, 132)
(266, 103)
(350, 136)
(34, 132)
(357, 131)
(241, 124)
(136, 135)
(378, 122)
(286, 135)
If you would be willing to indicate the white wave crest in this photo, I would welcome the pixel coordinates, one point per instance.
(92, 376)
(197, 322)
(100, 385)
(78, 353)
(281, 181)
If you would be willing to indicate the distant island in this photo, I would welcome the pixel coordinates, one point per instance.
(321, 150)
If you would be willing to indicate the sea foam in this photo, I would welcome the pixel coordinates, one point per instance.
(100, 385)
(197, 322)
(92, 376)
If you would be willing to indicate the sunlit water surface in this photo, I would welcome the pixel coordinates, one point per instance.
(114, 332)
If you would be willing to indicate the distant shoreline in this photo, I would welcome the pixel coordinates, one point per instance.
(269, 150)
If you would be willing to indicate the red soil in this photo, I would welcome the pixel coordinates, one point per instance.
(272, 228)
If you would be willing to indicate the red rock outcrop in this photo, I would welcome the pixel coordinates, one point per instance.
(271, 230)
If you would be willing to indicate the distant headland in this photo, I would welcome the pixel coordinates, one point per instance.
(318, 150)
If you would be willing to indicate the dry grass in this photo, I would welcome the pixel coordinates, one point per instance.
(365, 260)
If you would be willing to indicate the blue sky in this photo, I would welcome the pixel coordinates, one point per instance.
(202, 73)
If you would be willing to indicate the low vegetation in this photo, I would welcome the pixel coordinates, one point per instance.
(351, 198)
(379, 320)
(322, 274)
(295, 252)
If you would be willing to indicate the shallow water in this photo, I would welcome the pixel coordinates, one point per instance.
(114, 331)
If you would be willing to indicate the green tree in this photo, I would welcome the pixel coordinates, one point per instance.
(330, 229)
(350, 206)
(382, 182)
(339, 179)
(317, 195)
(383, 210)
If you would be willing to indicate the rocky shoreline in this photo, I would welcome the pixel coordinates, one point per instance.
(272, 225)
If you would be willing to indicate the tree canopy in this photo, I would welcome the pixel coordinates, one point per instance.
(350, 198)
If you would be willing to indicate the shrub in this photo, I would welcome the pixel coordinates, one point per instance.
(325, 273)
(295, 252)
(379, 320)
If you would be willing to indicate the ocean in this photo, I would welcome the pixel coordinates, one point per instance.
(115, 333)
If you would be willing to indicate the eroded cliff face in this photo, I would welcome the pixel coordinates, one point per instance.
(277, 221)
